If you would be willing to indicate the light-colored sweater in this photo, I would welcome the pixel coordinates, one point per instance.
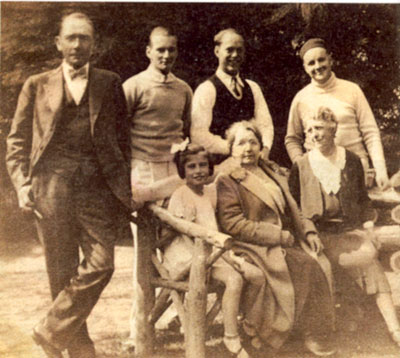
(159, 109)
(357, 130)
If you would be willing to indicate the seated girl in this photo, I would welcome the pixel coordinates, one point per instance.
(328, 184)
(196, 202)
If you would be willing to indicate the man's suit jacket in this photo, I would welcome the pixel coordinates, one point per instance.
(38, 112)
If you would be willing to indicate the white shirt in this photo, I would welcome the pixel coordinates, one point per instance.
(76, 86)
(203, 102)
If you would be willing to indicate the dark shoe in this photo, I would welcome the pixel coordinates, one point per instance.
(318, 348)
(82, 351)
(47, 347)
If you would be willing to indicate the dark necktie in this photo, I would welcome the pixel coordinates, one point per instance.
(235, 86)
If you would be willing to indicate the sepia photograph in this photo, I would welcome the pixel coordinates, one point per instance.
(199, 179)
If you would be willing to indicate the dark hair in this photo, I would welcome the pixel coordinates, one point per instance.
(182, 156)
(75, 15)
(232, 130)
(313, 43)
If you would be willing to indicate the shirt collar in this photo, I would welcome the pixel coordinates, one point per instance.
(158, 76)
(226, 78)
(327, 171)
(66, 67)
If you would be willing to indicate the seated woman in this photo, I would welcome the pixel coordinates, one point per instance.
(196, 202)
(328, 184)
(255, 207)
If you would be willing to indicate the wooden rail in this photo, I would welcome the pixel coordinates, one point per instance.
(145, 261)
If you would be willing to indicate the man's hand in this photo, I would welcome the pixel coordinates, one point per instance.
(25, 200)
(265, 153)
(287, 239)
(315, 243)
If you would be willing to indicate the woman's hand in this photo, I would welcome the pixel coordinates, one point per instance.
(382, 180)
(314, 242)
(287, 239)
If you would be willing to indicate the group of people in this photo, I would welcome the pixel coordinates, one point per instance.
(84, 151)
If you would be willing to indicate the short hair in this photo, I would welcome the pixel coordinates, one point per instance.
(163, 31)
(219, 36)
(75, 15)
(182, 156)
(326, 115)
(233, 129)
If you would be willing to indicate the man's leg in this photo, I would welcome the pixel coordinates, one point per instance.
(95, 210)
(57, 229)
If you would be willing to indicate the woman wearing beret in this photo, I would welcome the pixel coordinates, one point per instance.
(357, 129)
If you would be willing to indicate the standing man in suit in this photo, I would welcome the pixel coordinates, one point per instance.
(226, 98)
(67, 158)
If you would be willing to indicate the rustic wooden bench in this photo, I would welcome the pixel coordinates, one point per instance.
(151, 274)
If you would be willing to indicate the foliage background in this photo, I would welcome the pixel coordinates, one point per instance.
(364, 39)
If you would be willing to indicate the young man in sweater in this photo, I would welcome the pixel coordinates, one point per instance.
(357, 129)
(159, 106)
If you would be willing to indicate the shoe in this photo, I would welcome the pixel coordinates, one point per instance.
(318, 348)
(47, 347)
(396, 337)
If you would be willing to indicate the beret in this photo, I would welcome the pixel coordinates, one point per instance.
(311, 43)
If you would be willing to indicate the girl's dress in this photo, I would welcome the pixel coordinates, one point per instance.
(200, 209)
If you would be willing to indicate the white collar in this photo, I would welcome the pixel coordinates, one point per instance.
(66, 67)
(328, 84)
(226, 78)
(328, 172)
(158, 76)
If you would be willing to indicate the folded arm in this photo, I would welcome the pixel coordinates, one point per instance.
(233, 221)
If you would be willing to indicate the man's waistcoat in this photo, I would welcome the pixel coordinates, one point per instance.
(227, 109)
(71, 146)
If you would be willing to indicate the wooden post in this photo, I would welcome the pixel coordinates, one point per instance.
(144, 293)
(195, 335)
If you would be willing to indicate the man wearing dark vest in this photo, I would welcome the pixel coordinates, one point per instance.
(67, 157)
(226, 98)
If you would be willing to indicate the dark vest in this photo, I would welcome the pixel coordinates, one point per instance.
(227, 109)
(71, 147)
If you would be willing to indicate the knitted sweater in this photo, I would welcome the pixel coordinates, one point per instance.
(159, 112)
(357, 129)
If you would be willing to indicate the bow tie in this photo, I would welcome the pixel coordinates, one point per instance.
(80, 73)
